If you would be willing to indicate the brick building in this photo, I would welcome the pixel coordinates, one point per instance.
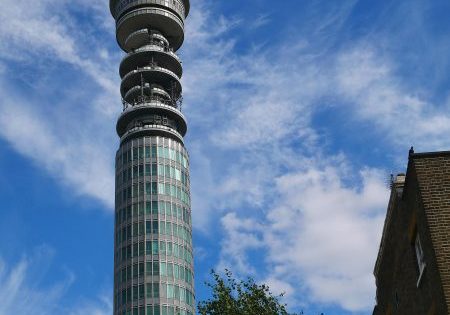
(413, 266)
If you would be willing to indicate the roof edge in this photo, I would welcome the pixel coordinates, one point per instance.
(429, 154)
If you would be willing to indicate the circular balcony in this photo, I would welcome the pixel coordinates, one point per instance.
(144, 37)
(157, 90)
(156, 75)
(139, 58)
(136, 92)
(132, 112)
(158, 19)
(150, 131)
(120, 7)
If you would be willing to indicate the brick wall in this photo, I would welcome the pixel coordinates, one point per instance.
(433, 175)
(423, 208)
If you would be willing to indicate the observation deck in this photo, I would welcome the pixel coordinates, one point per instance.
(150, 32)
(152, 112)
(158, 75)
(139, 58)
(165, 16)
(119, 7)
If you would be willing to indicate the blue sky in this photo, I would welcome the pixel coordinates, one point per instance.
(297, 115)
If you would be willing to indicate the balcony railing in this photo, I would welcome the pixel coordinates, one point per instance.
(176, 6)
(151, 127)
(155, 45)
(143, 100)
(151, 67)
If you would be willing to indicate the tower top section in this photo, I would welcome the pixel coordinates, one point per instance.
(116, 6)
(135, 19)
(150, 32)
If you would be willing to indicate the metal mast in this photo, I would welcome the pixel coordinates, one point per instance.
(153, 261)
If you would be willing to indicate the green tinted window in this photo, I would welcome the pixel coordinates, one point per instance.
(155, 247)
(163, 269)
(162, 207)
(162, 248)
(167, 171)
(154, 207)
(155, 229)
(156, 290)
(156, 268)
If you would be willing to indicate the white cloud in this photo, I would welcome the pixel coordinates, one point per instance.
(367, 79)
(241, 236)
(319, 237)
(330, 234)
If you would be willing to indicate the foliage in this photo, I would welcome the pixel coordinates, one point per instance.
(231, 297)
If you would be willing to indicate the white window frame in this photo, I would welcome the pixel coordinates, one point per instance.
(420, 258)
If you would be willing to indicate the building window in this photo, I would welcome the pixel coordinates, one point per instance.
(420, 257)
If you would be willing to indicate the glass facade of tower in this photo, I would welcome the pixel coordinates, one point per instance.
(153, 239)
(153, 252)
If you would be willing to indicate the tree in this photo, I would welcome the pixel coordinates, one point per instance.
(231, 297)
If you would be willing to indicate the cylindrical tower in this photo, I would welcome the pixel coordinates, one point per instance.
(153, 261)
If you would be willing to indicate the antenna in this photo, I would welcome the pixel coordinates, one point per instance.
(142, 86)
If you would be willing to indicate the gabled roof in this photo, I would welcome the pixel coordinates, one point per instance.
(397, 185)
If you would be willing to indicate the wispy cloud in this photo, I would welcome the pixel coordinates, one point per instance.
(260, 21)
(368, 81)
(72, 157)
(102, 306)
(311, 197)
(24, 288)
(242, 236)
(19, 295)
(34, 40)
